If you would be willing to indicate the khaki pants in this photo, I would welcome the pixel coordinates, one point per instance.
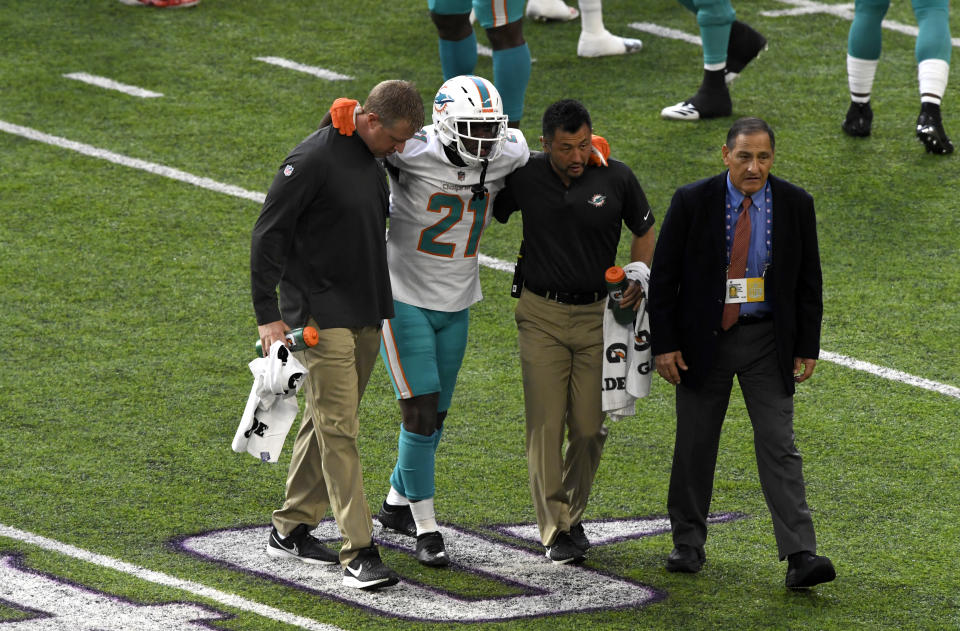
(325, 466)
(561, 356)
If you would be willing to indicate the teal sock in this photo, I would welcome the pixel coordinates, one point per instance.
(396, 481)
(457, 58)
(716, 39)
(511, 72)
(415, 465)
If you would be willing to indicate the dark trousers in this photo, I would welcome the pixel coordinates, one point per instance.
(749, 352)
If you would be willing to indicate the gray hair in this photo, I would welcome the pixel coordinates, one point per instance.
(746, 126)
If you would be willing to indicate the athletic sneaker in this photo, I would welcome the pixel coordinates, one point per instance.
(162, 4)
(605, 44)
(745, 44)
(712, 100)
(398, 518)
(300, 545)
(367, 571)
(930, 130)
(431, 551)
(545, 10)
(859, 119)
(579, 537)
(564, 550)
(695, 109)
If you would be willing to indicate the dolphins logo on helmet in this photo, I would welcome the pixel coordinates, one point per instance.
(440, 101)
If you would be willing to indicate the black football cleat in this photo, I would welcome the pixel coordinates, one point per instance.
(431, 551)
(859, 120)
(398, 518)
(930, 130)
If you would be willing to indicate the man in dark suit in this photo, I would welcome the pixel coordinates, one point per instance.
(736, 289)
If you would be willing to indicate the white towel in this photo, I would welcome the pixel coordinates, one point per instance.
(628, 363)
(272, 405)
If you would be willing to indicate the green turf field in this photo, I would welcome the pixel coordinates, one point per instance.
(127, 326)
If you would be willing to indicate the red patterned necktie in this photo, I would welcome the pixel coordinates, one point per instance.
(738, 261)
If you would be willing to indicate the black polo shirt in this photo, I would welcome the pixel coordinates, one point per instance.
(571, 234)
(320, 237)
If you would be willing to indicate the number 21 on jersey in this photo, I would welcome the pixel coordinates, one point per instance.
(450, 208)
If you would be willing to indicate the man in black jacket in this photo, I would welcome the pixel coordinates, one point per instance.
(320, 238)
(736, 289)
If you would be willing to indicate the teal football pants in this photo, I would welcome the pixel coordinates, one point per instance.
(714, 18)
(933, 39)
(511, 66)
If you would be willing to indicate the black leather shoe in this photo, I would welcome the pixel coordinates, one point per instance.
(806, 570)
(686, 559)
(858, 121)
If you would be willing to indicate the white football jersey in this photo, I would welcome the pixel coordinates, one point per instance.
(435, 226)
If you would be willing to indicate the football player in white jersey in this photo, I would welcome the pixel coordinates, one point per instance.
(441, 197)
(442, 189)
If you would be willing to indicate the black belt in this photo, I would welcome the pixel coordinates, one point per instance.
(744, 320)
(568, 298)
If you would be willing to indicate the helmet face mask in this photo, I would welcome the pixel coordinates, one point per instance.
(479, 140)
(468, 116)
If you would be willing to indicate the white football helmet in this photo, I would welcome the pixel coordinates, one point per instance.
(468, 115)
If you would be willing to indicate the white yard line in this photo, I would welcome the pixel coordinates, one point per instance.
(845, 11)
(663, 31)
(803, 7)
(891, 374)
(486, 261)
(224, 598)
(322, 73)
(133, 163)
(497, 264)
(110, 84)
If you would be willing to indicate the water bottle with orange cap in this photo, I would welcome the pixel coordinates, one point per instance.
(617, 283)
(299, 339)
